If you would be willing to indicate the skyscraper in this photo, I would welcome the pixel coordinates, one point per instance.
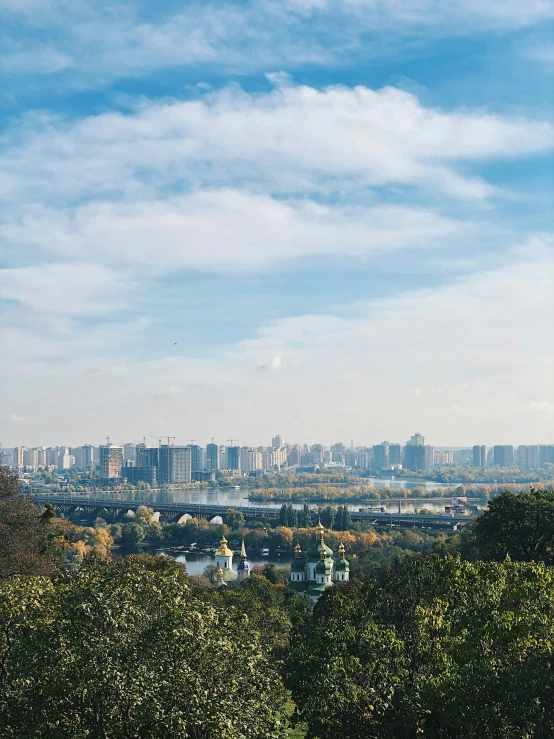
(546, 454)
(381, 455)
(277, 442)
(197, 458)
(233, 458)
(395, 454)
(528, 457)
(111, 461)
(18, 457)
(479, 455)
(503, 455)
(175, 464)
(212, 457)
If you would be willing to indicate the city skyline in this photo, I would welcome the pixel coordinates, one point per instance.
(298, 215)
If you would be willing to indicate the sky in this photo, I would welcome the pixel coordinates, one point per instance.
(327, 219)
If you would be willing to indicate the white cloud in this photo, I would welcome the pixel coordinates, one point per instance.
(292, 140)
(104, 41)
(217, 231)
(68, 289)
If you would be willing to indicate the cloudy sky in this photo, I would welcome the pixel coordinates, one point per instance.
(330, 219)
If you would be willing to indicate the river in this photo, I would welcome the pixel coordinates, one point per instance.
(197, 562)
(234, 498)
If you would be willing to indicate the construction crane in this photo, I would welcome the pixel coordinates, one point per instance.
(168, 438)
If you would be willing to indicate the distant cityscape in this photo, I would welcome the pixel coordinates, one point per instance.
(170, 463)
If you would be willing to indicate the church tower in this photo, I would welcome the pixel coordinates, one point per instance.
(342, 568)
(224, 559)
(243, 568)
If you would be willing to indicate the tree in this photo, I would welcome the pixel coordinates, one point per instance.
(283, 515)
(273, 574)
(327, 516)
(343, 519)
(120, 650)
(441, 648)
(519, 525)
(132, 536)
(234, 519)
(21, 531)
(305, 518)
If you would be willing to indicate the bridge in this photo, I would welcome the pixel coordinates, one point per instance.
(119, 510)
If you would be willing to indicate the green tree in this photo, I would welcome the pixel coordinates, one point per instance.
(22, 531)
(305, 519)
(327, 516)
(120, 650)
(441, 648)
(132, 536)
(234, 519)
(273, 574)
(521, 526)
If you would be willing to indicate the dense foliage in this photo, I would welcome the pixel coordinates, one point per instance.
(518, 526)
(122, 649)
(441, 648)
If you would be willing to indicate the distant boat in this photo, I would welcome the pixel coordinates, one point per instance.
(265, 552)
(237, 487)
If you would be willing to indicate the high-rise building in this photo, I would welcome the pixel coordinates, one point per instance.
(41, 456)
(197, 458)
(52, 455)
(212, 457)
(18, 457)
(111, 461)
(429, 456)
(293, 457)
(30, 459)
(479, 455)
(175, 464)
(223, 460)
(546, 454)
(416, 440)
(414, 457)
(84, 457)
(503, 455)
(528, 457)
(65, 459)
(277, 442)
(130, 453)
(351, 458)
(244, 450)
(381, 455)
(443, 459)
(395, 454)
(233, 458)
(365, 458)
(147, 456)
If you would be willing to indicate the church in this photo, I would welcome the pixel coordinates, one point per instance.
(309, 575)
(317, 571)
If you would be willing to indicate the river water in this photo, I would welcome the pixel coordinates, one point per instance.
(197, 562)
(234, 498)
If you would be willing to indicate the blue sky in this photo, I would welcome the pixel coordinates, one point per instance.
(327, 219)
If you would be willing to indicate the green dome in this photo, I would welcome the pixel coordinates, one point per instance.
(323, 567)
(297, 565)
(341, 565)
(314, 552)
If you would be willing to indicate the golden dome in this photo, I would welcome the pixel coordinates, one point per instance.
(223, 550)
